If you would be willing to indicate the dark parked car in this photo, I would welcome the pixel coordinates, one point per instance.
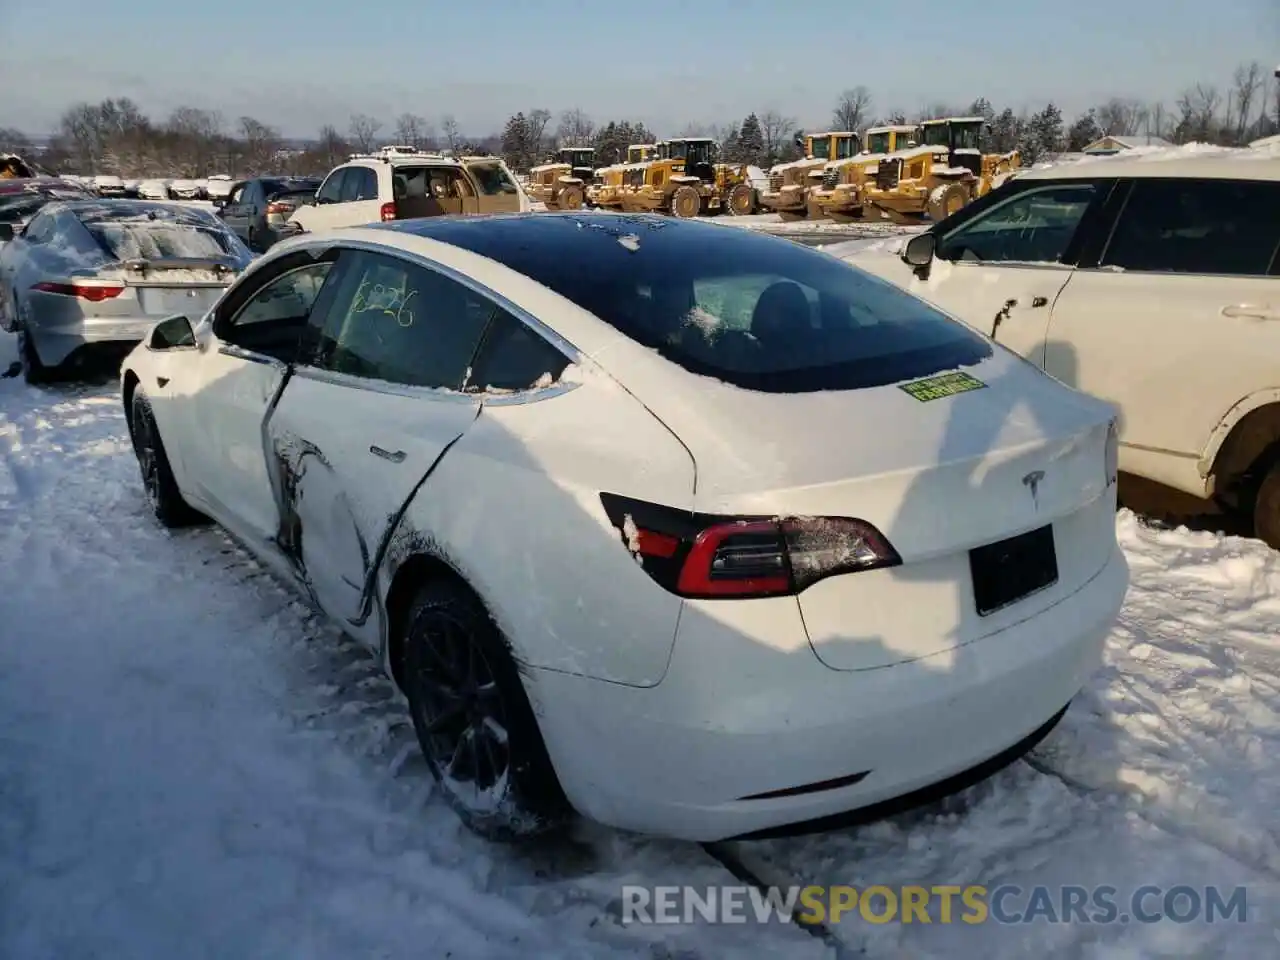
(21, 199)
(256, 210)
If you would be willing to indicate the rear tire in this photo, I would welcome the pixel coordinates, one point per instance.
(472, 716)
(33, 370)
(1266, 509)
(158, 482)
(686, 202)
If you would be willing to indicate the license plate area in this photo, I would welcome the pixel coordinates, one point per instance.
(1011, 570)
(167, 301)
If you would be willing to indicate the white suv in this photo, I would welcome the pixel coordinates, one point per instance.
(394, 185)
(1150, 281)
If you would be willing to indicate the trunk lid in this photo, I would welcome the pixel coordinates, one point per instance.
(178, 285)
(938, 475)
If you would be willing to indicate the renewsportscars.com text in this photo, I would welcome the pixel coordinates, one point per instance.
(939, 903)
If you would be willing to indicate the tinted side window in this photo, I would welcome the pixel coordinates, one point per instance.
(331, 190)
(1227, 227)
(274, 318)
(361, 184)
(392, 320)
(1034, 226)
(514, 357)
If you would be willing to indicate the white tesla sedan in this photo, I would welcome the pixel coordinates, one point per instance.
(692, 530)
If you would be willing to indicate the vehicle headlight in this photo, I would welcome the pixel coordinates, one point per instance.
(1112, 456)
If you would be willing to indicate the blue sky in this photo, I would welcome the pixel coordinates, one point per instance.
(706, 61)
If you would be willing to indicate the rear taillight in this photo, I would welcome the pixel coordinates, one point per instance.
(716, 557)
(277, 206)
(93, 292)
(388, 211)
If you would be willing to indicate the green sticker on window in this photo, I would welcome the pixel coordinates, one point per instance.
(946, 385)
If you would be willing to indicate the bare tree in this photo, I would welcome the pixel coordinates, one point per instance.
(576, 129)
(1121, 117)
(1199, 111)
(853, 109)
(260, 142)
(331, 148)
(776, 130)
(1249, 81)
(451, 137)
(364, 131)
(537, 120)
(411, 130)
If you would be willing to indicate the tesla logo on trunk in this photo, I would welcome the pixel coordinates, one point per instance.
(1032, 482)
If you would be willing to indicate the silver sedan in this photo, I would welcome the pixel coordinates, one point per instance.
(90, 277)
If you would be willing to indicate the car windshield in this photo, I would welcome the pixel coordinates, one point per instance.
(758, 312)
(155, 233)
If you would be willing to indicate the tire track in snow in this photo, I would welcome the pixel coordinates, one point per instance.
(1208, 828)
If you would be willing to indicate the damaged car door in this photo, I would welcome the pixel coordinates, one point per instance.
(373, 405)
(242, 364)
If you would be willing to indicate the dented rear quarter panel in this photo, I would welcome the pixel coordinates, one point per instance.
(514, 507)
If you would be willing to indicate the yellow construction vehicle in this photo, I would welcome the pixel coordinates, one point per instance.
(947, 171)
(609, 183)
(562, 183)
(789, 183)
(685, 180)
(839, 196)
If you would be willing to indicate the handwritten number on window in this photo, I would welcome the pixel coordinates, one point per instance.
(393, 302)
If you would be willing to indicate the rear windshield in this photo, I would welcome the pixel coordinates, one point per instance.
(758, 312)
(279, 188)
(156, 234)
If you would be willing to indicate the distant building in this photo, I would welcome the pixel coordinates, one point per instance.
(1109, 145)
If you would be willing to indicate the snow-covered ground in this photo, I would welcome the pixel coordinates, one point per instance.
(193, 765)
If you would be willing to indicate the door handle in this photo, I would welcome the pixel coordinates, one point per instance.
(395, 456)
(1251, 311)
(1039, 301)
(162, 381)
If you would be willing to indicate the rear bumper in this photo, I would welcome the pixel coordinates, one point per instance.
(741, 713)
(55, 344)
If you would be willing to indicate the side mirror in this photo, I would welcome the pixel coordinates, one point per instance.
(919, 252)
(218, 202)
(172, 333)
(6, 232)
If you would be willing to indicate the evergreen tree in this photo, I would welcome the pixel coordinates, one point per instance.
(1084, 132)
(1006, 131)
(1044, 136)
(515, 142)
(751, 141)
(982, 108)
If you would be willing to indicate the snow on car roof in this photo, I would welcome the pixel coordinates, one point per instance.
(1189, 160)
